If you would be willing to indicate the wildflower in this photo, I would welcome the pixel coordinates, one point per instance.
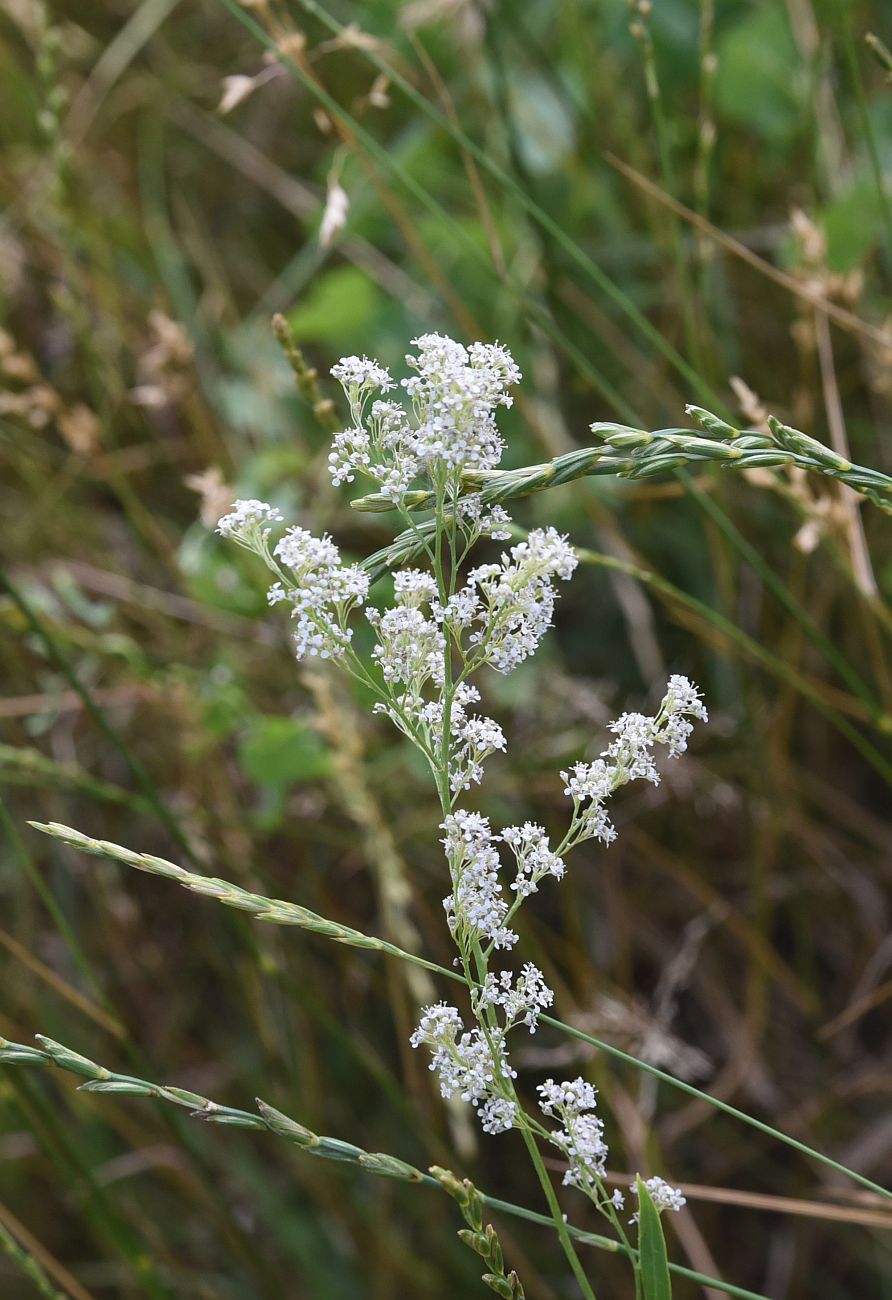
(359, 374)
(350, 451)
(479, 520)
(475, 906)
(683, 700)
(410, 647)
(474, 739)
(630, 757)
(414, 587)
(520, 1000)
(581, 1138)
(632, 751)
(497, 1114)
(450, 428)
(455, 392)
(466, 1065)
(321, 590)
(664, 1197)
(244, 523)
(516, 598)
(535, 859)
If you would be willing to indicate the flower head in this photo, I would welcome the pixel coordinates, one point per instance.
(581, 1137)
(476, 906)
(663, 1196)
(321, 591)
(630, 757)
(245, 522)
(467, 1066)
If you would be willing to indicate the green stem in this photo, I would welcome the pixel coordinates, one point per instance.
(557, 1214)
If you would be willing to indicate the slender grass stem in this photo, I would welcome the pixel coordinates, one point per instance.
(279, 912)
(268, 1118)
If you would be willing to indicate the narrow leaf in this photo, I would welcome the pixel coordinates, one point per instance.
(652, 1248)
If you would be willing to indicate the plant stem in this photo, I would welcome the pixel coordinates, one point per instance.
(557, 1214)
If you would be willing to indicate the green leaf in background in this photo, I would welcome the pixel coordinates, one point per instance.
(340, 308)
(853, 224)
(281, 751)
(545, 129)
(652, 1248)
(760, 82)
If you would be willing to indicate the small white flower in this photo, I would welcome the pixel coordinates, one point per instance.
(414, 587)
(475, 905)
(350, 451)
(630, 757)
(410, 647)
(520, 1000)
(359, 373)
(515, 599)
(663, 1195)
(322, 591)
(581, 1138)
(466, 1066)
(535, 859)
(246, 519)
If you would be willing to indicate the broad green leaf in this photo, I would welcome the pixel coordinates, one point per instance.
(652, 1248)
(761, 83)
(339, 306)
(279, 751)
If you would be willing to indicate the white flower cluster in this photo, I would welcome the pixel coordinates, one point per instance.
(436, 634)
(505, 609)
(520, 1000)
(581, 1137)
(473, 740)
(359, 376)
(455, 392)
(473, 1064)
(245, 522)
(630, 757)
(481, 520)
(410, 647)
(321, 591)
(467, 1066)
(311, 577)
(664, 1197)
(535, 857)
(475, 908)
(683, 700)
(451, 426)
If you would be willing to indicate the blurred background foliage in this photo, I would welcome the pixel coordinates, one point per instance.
(510, 171)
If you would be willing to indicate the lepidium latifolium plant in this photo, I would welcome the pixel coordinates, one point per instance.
(431, 447)
(451, 621)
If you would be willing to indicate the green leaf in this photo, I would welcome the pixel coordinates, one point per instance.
(279, 751)
(652, 1248)
(545, 135)
(338, 307)
(761, 84)
(853, 224)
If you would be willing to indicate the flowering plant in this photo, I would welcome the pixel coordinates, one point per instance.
(447, 622)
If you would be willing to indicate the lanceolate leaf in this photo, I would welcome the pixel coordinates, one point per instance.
(652, 1248)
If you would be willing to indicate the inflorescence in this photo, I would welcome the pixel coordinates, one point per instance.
(445, 623)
